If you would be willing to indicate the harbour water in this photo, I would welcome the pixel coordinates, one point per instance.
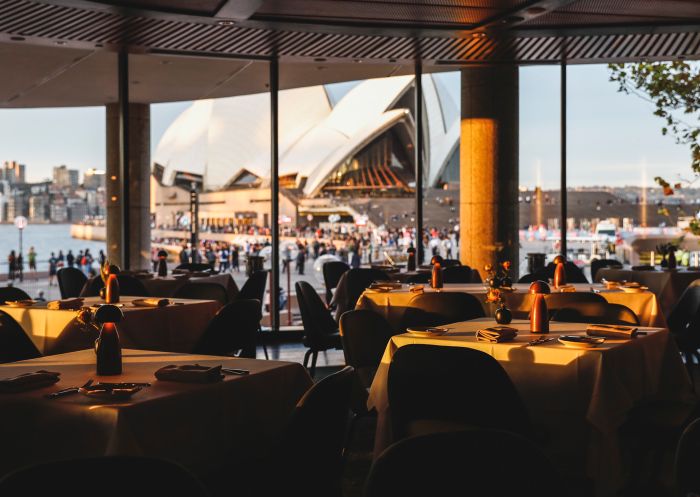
(45, 238)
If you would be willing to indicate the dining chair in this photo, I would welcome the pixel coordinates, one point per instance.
(232, 330)
(11, 293)
(110, 475)
(437, 308)
(15, 345)
(254, 289)
(571, 300)
(598, 264)
(684, 323)
(451, 263)
(307, 459)
(202, 291)
(195, 266)
(457, 274)
(70, 282)
(332, 271)
(320, 329)
(423, 277)
(687, 461)
(464, 463)
(357, 281)
(437, 388)
(128, 285)
(597, 313)
(573, 274)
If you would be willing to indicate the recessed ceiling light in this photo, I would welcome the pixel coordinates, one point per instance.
(479, 35)
(357, 61)
(225, 22)
(60, 42)
(17, 38)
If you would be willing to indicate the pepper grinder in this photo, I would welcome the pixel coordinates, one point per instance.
(162, 263)
(107, 347)
(559, 272)
(411, 264)
(436, 278)
(539, 319)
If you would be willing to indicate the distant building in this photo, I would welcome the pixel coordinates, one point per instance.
(17, 205)
(5, 193)
(66, 178)
(77, 210)
(58, 211)
(13, 172)
(94, 179)
(39, 208)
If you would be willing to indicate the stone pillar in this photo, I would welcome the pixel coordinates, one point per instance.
(139, 186)
(489, 166)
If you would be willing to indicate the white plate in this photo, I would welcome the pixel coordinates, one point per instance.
(426, 331)
(580, 341)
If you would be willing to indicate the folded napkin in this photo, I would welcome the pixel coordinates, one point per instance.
(190, 373)
(28, 381)
(65, 304)
(416, 288)
(153, 302)
(611, 331)
(496, 334)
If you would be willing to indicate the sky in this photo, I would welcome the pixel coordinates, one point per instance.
(613, 138)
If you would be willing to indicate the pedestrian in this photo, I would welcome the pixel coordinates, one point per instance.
(70, 258)
(53, 262)
(102, 258)
(184, 255)
(235, 255)
(20, 267)
(11, 265)
(60, 258)
(301, 259)
(32, 260)
(224, 256)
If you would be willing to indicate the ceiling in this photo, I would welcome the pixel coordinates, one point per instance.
(64, 51)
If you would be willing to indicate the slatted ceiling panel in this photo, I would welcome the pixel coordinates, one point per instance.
(648, 8)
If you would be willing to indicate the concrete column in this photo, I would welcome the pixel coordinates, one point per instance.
(489, 166)
(139, 186)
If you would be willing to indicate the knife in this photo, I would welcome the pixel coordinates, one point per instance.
(67, 391)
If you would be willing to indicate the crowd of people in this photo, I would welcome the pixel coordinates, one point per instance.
(83, 260)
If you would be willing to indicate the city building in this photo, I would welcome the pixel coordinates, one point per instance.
(66, 178)
(93, 179)
(13, 172)
(39, 208)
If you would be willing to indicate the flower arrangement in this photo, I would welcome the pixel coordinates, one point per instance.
(497, 280)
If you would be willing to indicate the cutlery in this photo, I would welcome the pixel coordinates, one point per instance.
(67, 391)
(541, 340)
(240, 372)
(614, 327)
(109, 385)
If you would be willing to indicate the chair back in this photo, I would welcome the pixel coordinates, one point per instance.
(597, 313)
(434, 387)
(684, 319)
(457, 274)
(311, 446)
(332, 271)
(560, 300)
(463, 463)
(254, 287)
(451, 263)
(112, 475)
(687, 477)
(11, 293)
(364, 335)
(598, 264)
(573, 274)
(202, 291)
(195, 266)
(128, 285)
(421, 277)
(315, 316)
(70, 281)
(359, 279)
(232, 330)
(15, 345)
(436, 308)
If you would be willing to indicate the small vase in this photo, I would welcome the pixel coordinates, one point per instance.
(503, 315)
(108, 351)
(162, 267)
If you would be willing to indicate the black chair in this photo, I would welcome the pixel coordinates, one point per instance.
(128, 285)
(571, 300)
(435, 388)
(597, 264)
(422, 277)
(11, 293)
(15, 345)
(451, 263)
(195, 266)
(70, 281)
(464, 463)
(573, 274)
(364, 336)
(529, 278)
(458, 274)
(686, 475)
(111, 476)
(202, 291)
(357, 281)
(232, 330)
(332, 271)
(320, 329)
(308, 458)
(598, 313)
(433, 309)
(254, 289)
(684, 324)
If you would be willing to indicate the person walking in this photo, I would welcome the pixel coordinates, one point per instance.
(20, 267)
(301, 259)
(102, 257)
(11, 265)
(224, 256)
(235, 255)
(70, 258)
(53, 263)
(32, 260)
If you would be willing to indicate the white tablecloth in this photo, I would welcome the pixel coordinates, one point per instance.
(175, 328)
(581, 397)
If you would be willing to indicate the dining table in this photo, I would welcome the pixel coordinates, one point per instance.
(392, 304)
(578, 398)
(666, 284)
(167, 286)
(202, 426)
(176, 327)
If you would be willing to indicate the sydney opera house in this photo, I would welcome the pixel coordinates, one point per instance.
(336, 157)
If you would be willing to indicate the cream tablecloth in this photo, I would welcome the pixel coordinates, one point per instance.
(199, 426)
(166, 287)
(580, 397)
(175, 328)
(392, 305)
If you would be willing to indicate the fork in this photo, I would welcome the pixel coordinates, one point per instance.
(541, 340)
(68, 391)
